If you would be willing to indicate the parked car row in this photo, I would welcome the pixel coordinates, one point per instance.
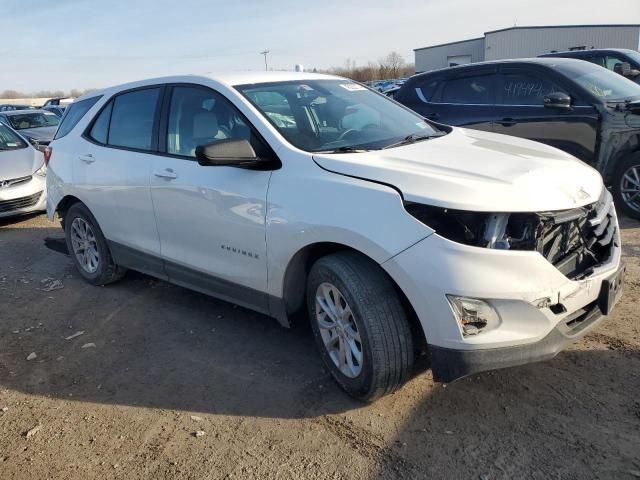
(293, 192)
(576, 106)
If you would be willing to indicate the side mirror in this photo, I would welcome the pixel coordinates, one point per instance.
(229, 152)
(557, 100)
(623, 68)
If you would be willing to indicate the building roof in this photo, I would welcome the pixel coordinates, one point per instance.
(613, 25)
(527, 28)
(449, 43)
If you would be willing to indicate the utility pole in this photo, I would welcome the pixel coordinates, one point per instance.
(265, 52)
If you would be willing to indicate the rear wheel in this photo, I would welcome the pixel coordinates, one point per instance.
(359, 324)
(88, 248)
(626, 186)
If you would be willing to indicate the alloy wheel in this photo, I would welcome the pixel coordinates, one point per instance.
(339, 330)
(85, 247)
(630, 187)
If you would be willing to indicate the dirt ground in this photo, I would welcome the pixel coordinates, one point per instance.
(156, 363)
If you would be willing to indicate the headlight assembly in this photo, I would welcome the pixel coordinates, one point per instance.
(42, 171)
(504, 231)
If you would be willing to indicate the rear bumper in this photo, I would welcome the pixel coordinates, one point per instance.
(450, 364)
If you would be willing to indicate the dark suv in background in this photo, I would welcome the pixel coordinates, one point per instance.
(576, 106)
(619, 60)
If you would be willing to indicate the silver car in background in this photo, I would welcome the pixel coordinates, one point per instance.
(37, 126)
(23, 175)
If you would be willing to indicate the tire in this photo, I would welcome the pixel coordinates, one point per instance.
(101, 270)
(381, 325)
(625, 180)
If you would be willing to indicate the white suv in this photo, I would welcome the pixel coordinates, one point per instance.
(286, 192)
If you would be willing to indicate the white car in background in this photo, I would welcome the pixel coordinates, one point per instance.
(22, 175)
(395, 235)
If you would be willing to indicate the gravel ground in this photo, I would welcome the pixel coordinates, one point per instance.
(143, 379)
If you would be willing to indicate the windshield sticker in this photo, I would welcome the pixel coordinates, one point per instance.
(13, 144)
(352, 87)
(422, 125)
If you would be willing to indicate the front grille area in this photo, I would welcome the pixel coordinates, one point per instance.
(19, 203)
(14, 181)
(576, 241)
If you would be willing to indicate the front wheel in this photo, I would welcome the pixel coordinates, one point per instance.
(359, 325)
(626, 186)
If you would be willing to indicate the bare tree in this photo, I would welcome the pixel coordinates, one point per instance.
(11, 94)
(391, 65)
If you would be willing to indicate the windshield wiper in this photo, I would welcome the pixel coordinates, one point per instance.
(344, 149)
(413, 138)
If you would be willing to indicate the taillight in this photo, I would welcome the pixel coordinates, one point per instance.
(47, 155)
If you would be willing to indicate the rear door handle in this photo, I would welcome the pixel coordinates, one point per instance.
(166, 173)
(507, 122)
(88, 158)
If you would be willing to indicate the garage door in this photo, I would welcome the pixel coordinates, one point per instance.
(454, 60)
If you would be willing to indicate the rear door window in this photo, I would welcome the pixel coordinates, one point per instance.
(472, 90)
(74, 114)
(132, 119)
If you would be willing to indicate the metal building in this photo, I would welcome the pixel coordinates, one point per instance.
(521, 42)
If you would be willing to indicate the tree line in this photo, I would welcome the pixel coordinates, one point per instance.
(74, 92)
(392, 66)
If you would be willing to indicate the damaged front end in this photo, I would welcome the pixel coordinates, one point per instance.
(575, 241)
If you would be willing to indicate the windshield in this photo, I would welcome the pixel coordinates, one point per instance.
(328, 115)
(34, 120)
(9, 140)
(600, 82)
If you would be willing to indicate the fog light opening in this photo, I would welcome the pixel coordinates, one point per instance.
(474, 315)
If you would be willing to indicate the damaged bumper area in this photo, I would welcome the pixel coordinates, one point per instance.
(451, 364)
(499, 290)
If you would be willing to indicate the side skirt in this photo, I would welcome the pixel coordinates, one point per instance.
(200, 281)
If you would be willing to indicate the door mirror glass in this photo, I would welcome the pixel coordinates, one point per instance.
(230, 152)
(557, 100)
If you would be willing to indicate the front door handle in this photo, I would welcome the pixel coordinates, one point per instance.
(88, 158)
(166, 173)
(507, 122)
(431, 116)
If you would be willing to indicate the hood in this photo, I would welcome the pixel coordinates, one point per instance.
(19, 163)
(41, 133)
(476, 171)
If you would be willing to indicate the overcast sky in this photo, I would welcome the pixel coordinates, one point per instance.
(64, 44)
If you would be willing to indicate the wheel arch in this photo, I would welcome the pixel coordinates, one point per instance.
(295, 283)
(64, 205)
(630, 147)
